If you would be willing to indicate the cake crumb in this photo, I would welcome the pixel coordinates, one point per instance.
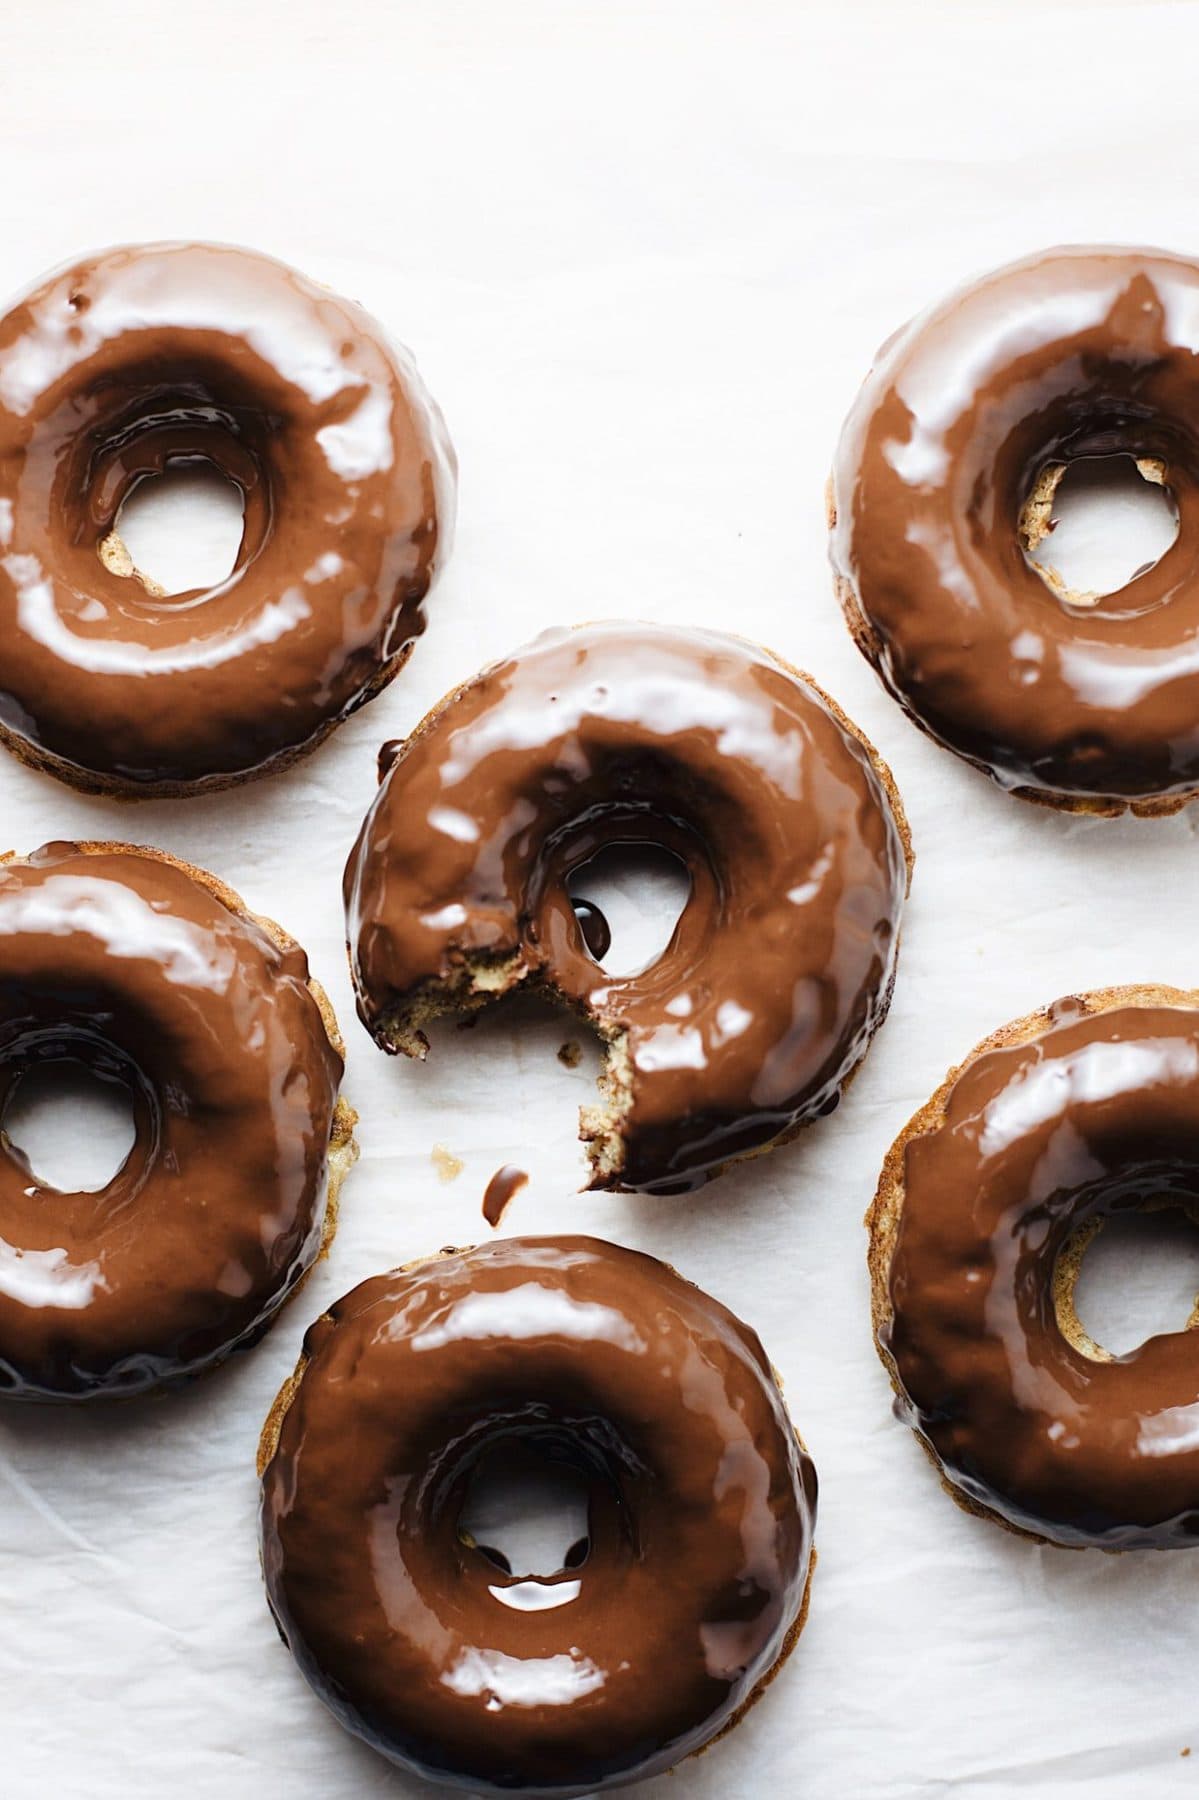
(1185, 1751)
(448, 1166)
(570, 1054)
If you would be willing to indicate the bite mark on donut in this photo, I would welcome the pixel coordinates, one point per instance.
(478, 982)
(478, 979)
(601, 1125)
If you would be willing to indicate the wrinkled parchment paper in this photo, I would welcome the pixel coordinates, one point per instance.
(644, 254)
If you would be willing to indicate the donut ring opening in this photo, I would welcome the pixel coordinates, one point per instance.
(1036, 521)
(70, 1053)
(1068, 1269)
(115, 554)
(201, 419)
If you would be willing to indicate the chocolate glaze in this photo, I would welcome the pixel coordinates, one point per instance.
(1095, 1116)
(701, 1512)
(129, 965)
(779, 969)
(504, 1185)
(166, 354)
(594, 928)
(1070, 354)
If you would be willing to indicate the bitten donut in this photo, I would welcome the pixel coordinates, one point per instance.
(154, 976)
(688, 1593)
(151, 357)
(781, 965)
(986, 1205)
(944, 479)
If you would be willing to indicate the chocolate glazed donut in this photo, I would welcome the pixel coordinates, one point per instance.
(154, 976)
(693, 1586)
(986, 1204)
(147, 358)
(944, 479)
(780, 967)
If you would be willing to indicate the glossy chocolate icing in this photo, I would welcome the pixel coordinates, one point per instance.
(780, 967)
(700, 1517)
(1074, 353)
(1094, 1115)
(174, 354)
(596, 932)
(501, 1190)
(131, 965)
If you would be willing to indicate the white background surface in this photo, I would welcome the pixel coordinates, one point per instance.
(644, 254)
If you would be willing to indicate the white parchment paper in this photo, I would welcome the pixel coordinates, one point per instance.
(643, 253)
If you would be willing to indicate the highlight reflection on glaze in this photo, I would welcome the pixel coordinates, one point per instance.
(779, 969)
(699, 1528)
(123, 962)
(1099, 1114)
(146, 358)
(1071, 354)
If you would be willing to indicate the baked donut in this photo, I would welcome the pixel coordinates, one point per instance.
(688, 1593)
(160, 355)
(780, 967)
(154, 976)
(987, 1201)
(944, 480)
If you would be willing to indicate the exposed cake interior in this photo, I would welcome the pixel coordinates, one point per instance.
(477, 982)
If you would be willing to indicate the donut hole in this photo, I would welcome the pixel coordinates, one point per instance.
(1093, 525)
(628, 899)
(1130, 1277)
(72, 1124)
(526, 1509)
(182, 530)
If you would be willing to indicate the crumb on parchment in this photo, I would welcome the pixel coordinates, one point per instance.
(448, 1166)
